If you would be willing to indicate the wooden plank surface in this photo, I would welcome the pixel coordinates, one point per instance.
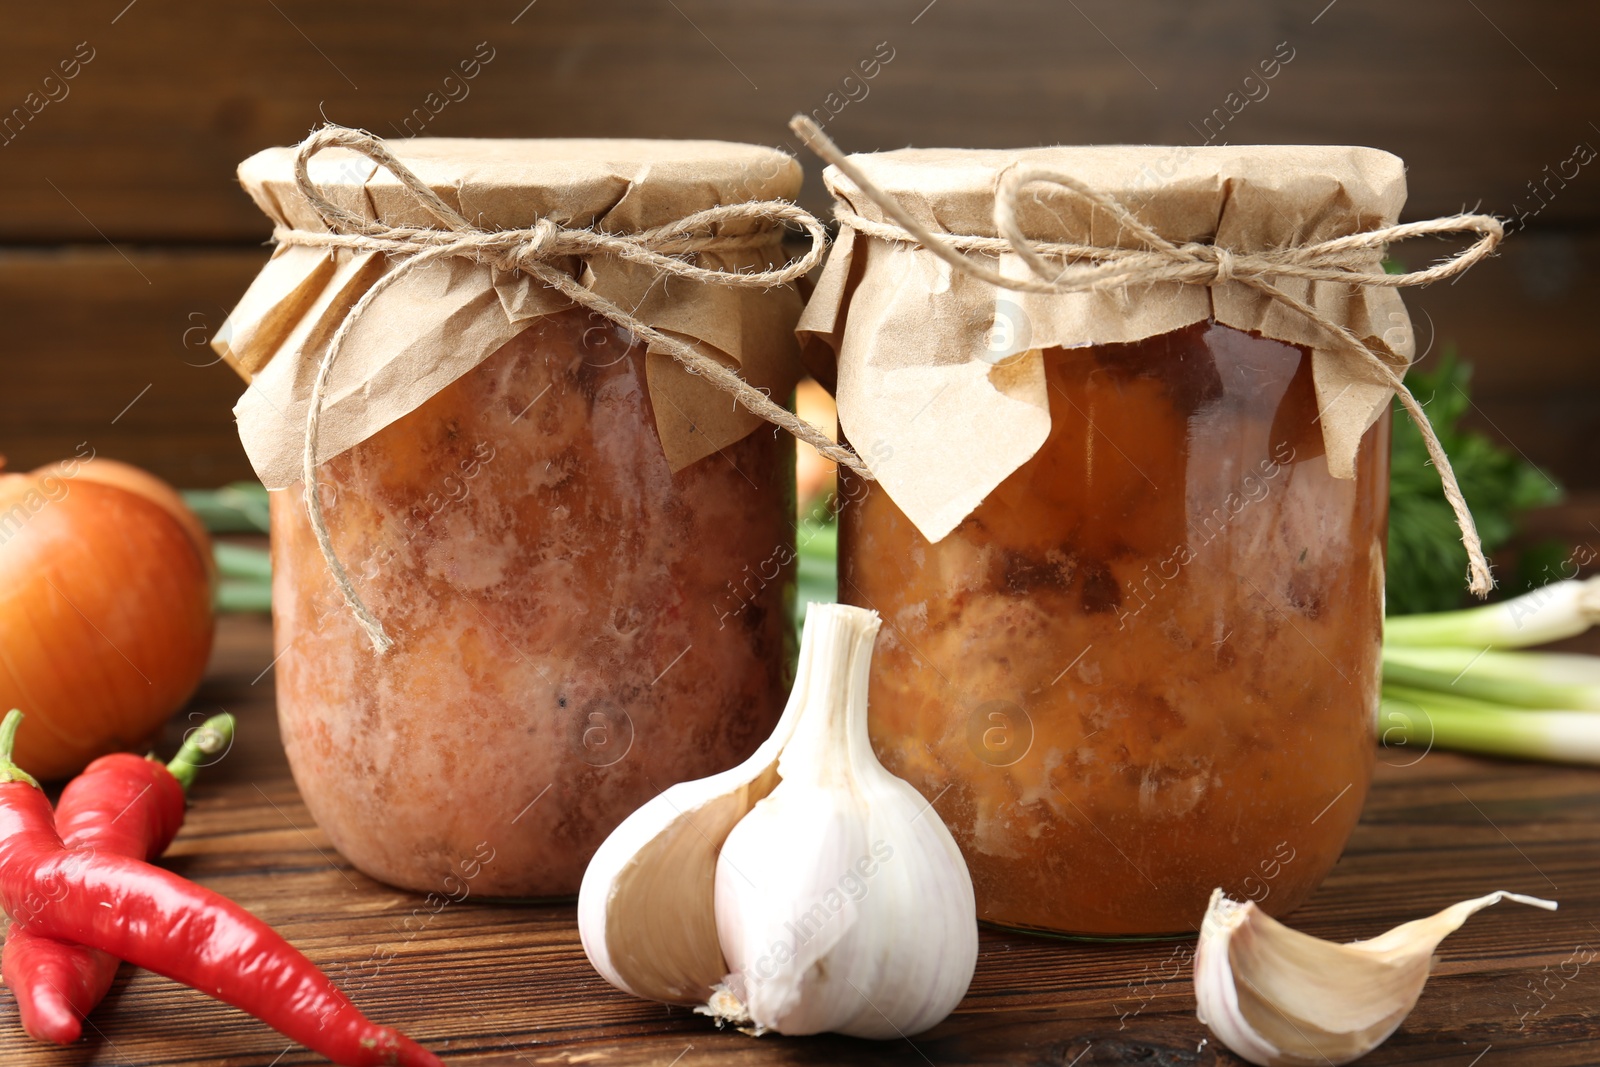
(487, 984)
(124, 237)
(142, 143)
(109, 346)
(1522, 320)
(111, 349)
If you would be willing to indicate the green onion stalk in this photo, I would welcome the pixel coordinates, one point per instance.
(1427, 718)
(1550, 613)
(244, 571)
(1461, 680)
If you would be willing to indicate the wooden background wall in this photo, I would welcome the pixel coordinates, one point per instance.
(124, 239)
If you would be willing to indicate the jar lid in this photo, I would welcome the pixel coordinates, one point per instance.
(614, 185)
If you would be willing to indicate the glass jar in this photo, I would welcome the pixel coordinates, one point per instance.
(583, 554)
(1147, 664)
(570, 646)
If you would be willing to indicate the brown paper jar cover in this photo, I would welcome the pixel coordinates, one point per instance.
(1132, 582)
(439, 322)
(547, 518)
(923, 368)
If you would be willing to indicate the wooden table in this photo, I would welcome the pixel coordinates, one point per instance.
(492, 985)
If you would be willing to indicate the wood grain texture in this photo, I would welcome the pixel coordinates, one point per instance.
(487, 984)
(1477, 98)
(89, 328)
(109, 347)
(1524, 321)
(134, 158)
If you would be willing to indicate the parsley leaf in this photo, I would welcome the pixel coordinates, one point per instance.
(1427, 562)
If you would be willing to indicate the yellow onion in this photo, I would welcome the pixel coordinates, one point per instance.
(105, 610)
(140, 481)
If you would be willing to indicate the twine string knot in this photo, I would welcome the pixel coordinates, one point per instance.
(1224, 261)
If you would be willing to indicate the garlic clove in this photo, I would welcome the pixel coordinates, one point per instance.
(769, 966)
(646, 912)
(1276, 996)
(842, 901)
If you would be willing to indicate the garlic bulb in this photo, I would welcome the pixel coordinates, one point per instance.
(1276, 996)
(806, 890)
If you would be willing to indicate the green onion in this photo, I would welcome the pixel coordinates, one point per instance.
(240, 507)
(1425, 719)
(818, 540)
(243, 596)
(817, 569)
(242, 561)
(1446, 686)
(1524, 679)
(1550, 613)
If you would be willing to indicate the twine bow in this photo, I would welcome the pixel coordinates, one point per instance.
(1081, 268)
(537, 251)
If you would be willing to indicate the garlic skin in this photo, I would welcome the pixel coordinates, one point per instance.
(843, 904)
(805, 890)
(646, 904)
(1275, 996)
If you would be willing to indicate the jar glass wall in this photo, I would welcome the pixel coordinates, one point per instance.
(1147, 664)
(567, 642)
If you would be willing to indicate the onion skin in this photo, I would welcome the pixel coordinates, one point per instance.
(105, 617)
(143, 483)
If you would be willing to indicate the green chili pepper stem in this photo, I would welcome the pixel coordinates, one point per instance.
(213, 736)
(10, 772)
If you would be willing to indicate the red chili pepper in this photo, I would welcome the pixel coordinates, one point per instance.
(123, 804)
(165, 924)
